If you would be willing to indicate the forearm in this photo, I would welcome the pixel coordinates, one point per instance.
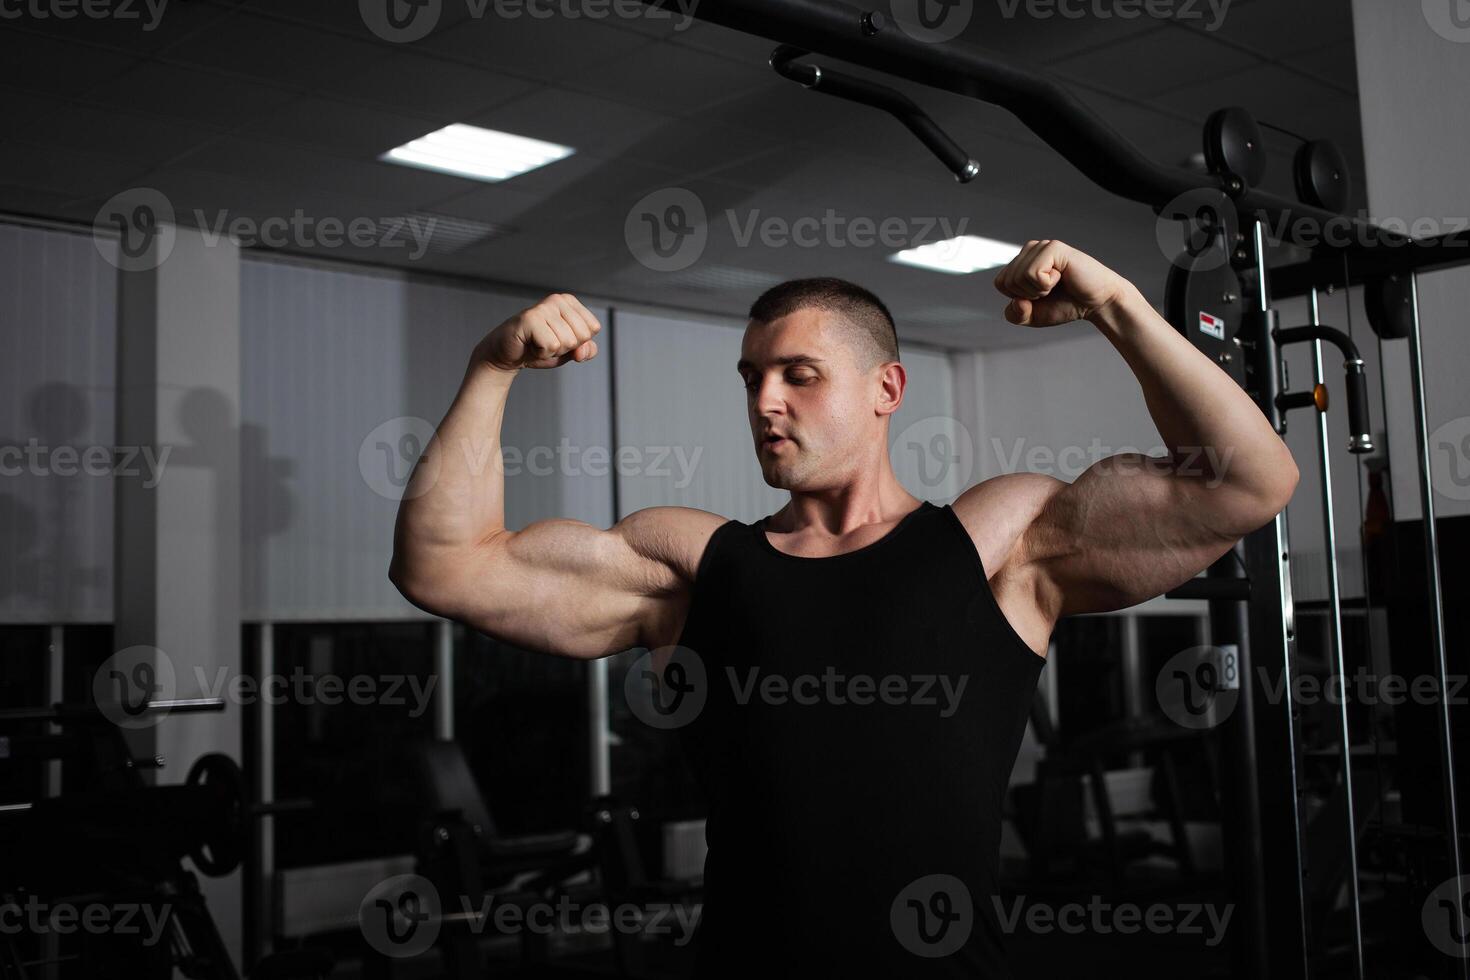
(1210, 425)
(456, 497)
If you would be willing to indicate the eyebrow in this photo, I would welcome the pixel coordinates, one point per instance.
(744, 365)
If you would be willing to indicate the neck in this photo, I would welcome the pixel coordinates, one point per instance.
(841, 510)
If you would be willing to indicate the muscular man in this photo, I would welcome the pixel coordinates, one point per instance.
(868, 659)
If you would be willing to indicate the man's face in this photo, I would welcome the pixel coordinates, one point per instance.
(802, 383)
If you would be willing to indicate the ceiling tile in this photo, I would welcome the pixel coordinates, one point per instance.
(415, 84)
(585, 122)
(38, 63)
(293, 57)
(342, 128)
(671, 79)
(197, 96)
(1144, 64)
(557, 49)
(1276, 28)
(139, 27)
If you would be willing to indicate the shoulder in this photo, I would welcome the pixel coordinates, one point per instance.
(998, 512)
(1001, 515)
(673, 537)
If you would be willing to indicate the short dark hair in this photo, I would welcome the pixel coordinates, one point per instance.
(874, 337)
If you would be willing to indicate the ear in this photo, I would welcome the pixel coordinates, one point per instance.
(892, 380)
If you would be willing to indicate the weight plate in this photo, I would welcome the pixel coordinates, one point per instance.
(222, 840)
(1321, 175)
(1203, 300)
(1233, 146)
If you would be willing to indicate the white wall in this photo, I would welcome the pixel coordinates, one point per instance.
(1413, 71)
(58, 361)
(345, 373)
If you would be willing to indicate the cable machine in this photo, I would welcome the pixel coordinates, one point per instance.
(1286, 878)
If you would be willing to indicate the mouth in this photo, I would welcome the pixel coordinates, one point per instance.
(774, 442)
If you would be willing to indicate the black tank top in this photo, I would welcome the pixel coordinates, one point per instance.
(863, 714)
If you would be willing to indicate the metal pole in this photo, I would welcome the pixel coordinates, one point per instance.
(1334, 600)
(1436, 599)
(600, 749)
(1273, 641)
(265, 791)
(444, 667)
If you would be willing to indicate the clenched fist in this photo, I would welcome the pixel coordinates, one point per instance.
(556, 330)
(1051, 282)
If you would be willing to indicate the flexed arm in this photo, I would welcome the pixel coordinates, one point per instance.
(1132, 526)
(558, 586)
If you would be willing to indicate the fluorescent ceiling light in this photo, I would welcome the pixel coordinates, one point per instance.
(958, 256)
(481, 154)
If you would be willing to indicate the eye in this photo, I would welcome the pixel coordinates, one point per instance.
(801, 379)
